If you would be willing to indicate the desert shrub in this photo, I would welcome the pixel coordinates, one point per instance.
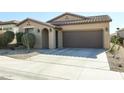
(9, 36)
(18, 37)
(6, 38)
(28, 40)
(116, 43)
(117, 39)
(113, 38)
(121, 40)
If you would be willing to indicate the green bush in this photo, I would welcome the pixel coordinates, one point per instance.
(117, 39)
(18, 37)
(121, 40)
(28, 40)
(9, 36)
(116, 43)
(2, 40)
(6, 38)
(113, 38)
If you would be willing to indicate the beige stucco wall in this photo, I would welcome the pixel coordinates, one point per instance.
(52, 39)
(107, 37)
(60, 39)
(2, 30)
(94, 26)
(38, 35)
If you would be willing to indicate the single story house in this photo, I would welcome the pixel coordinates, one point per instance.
(9, 26)
(69, 31)
(120, 33)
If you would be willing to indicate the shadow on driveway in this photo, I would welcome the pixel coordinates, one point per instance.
(75, 52)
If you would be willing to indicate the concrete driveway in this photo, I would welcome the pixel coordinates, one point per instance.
(93, 54)
(67, 64)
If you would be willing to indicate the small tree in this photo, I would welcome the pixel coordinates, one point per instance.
(116, 43)
(28, 40)
(18, 37)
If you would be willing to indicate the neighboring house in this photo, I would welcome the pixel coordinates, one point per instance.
(9, 26)
(69, 31)
(120, 33)
(113, 34)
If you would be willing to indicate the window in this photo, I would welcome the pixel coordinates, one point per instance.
(27, 30)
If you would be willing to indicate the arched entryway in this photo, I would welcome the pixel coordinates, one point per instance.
(45, 38)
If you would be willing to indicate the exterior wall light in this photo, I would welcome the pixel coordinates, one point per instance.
(50, 30)
(38, 30)
(107, 29)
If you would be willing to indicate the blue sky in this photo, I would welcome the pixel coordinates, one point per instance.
(117, 17)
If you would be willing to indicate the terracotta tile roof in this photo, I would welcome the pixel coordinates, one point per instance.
(67, 13)
(84, 20)
(9, 22)
(39, 22)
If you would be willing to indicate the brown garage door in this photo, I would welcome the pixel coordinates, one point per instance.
(82, 39)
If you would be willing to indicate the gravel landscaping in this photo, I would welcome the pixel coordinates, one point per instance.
(117, 63)
(19, 53)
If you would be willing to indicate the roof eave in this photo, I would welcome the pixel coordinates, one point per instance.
(66, 13)
(82, 23)
(49, 25)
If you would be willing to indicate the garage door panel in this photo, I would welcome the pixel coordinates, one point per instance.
(82, 39)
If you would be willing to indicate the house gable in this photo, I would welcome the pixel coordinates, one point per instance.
(67, 17)
(29, 20)
(30, 23)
